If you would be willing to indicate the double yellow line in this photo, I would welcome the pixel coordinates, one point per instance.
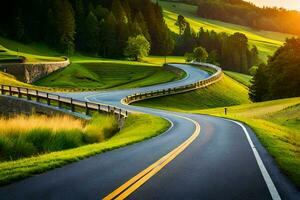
(134, 183)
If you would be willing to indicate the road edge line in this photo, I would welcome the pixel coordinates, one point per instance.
(267, 178)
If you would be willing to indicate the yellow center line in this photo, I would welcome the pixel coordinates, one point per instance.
(134, 183)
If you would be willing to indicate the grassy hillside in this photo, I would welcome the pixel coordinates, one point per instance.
(276, 124)
(137, 127)
(108, 74)
(88, 72)
(242, 78)
(226, 92)
(266, 41)
(33, 53)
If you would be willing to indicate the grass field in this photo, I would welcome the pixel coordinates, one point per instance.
(241, 78)
(137, 127)
(266, 41)
(24, 136)
(34, 52)
(277, 125)
(226, 92)
(105, 74)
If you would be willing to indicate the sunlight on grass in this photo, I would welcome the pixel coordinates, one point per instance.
(137, 127)
(226, 92)
(266, 41)
(24, 136)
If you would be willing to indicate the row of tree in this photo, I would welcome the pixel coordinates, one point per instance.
(245, 13)
(232, 52)
(100, 27)
(280, 77)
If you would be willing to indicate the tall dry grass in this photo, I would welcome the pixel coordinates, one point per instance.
(24, 136)
(22, 123)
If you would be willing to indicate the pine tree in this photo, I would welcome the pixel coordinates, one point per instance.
(91, 34)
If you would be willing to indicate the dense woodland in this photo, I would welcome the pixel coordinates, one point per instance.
(244, 13)
(100, 27)
(280, 77)
(232, 52)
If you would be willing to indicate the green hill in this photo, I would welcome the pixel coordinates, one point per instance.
(226, 92)
(104, 74)
(266, 41)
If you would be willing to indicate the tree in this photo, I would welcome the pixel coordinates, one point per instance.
(259, 87)
(200, 54)
(91, 34)
(64, 26)
(137, 47)
(280, 77)
(181, 23)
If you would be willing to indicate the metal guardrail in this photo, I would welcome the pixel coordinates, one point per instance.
(49, 98)
(170, 91)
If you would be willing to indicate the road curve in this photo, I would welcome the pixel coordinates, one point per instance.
(224, 161)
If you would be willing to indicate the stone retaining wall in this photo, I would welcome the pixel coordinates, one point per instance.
(30, 72)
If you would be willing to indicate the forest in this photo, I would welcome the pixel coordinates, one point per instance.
(279, 78)
(247, 14)
(232, 52)
(99, 27)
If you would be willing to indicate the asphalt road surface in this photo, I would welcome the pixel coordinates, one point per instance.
(222, 160)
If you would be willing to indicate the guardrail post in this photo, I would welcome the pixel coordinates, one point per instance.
(87, 111)
(58, 101)
(72, 106)
(19, 93)
(27, 94)
(126, 113)
(48, 100)
(37, 96)
(99, 108)
(10, 92)
(2, 89)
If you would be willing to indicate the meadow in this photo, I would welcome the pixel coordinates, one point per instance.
(99, 75)
(24, 136)
(137, 127)
(241, 78)
(266, 41)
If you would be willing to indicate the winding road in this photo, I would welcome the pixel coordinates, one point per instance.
(199, 157)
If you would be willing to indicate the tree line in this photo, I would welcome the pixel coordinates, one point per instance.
(232, 52)
(247, 14)
(280, 77)
(100, 27)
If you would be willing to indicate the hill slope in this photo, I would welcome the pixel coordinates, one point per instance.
(266, 41)
(226, 92)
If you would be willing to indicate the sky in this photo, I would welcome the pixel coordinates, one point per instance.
(288, 4)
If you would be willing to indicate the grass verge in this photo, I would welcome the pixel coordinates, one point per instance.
(137, 127)
(276, 124)
(24, 136)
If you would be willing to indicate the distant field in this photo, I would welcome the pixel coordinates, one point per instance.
(277, 125)
(242, 78)
(266, 41)
(226, 92)
(108, 74)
